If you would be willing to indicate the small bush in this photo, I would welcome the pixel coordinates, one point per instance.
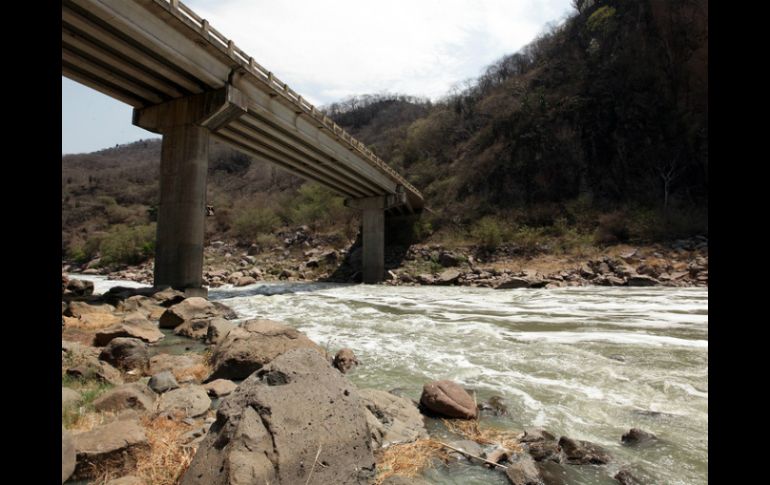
(251, 222)
(488, 233)
(127, 245)
(612, 228)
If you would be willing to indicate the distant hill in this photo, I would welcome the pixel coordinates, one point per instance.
(598, 127)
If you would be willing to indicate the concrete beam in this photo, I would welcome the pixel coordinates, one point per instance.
(212, 110)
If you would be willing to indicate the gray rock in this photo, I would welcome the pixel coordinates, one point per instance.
(134, 396)
(217, 330)
(79, 287)
(636, 436)
(536, 434)
(513, 282)
(523, 471)
(448, 277)
(626, 478)
(253, 344)
(92, 368)
(163, 381)
(467, 446)
(67, 455)
(126, 354)
(190, 401)
(448, 260)
(642, 280)
(115, 441)
(583, 452)
(391, 419)
(447, 398)
(544, 450)
(271, 429)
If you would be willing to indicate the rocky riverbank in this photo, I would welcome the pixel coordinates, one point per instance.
(303, 257)
(262, 402)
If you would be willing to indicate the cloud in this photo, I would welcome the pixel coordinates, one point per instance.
(329, 50)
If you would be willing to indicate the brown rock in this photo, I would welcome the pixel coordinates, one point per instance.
(220, 387)
(447, 398)
(118, 441)
(147, 332)
(253, 344)
(190, 401)
(126, 354)
(523, 471)
(345, 360)
(128, 396)
(392, 419)
(583, 452)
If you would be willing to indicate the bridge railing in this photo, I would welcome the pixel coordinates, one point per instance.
(227, 46)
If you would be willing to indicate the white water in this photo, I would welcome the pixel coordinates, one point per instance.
(588, 363)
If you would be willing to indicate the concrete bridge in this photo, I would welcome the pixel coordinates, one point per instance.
(188, 82)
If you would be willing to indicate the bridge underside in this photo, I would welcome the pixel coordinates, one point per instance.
(188, 83)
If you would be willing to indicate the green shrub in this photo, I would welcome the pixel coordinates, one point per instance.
(127, 245)
(253, 221)
(316, 206)
(488, 233)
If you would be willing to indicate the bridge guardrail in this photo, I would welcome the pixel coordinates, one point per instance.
(227, 46)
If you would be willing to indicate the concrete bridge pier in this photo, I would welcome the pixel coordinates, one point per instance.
(373, 228)
(185, 124)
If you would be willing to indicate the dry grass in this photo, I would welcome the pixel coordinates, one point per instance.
(487, 436)
(197, 372)
(162, 463)
(408, 460)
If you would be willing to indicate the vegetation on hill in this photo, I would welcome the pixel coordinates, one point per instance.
(596, 132)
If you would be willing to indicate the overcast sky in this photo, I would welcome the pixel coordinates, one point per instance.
(329, 50)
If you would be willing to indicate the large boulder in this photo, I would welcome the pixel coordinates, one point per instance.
(513, 282)
(67, 455)
(196, 328)
(294, 417)
(190, 401)
(92, 368)
(126, 354)
(148, 307)
(447, 398)
(392, 419)
(194, 308)
(253, 344)
(146, 331)
(129, 396)
(115, 442)
(77, 309)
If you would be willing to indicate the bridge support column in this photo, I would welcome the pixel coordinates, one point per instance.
(373, 208)
(182, 209)
(185, 124)
(373, 256)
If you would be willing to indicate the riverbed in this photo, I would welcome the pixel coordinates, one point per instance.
(588, 363)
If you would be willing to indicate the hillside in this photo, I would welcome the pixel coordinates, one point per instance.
(595, 133)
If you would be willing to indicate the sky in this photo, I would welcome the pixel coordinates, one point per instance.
(328, 50)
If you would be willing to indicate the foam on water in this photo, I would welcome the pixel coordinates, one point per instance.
(589, 363)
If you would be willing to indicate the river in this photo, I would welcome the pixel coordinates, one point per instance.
(587, 362)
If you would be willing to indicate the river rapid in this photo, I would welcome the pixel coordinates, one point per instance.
(588, 362)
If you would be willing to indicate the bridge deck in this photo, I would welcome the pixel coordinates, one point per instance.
(148, 52)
